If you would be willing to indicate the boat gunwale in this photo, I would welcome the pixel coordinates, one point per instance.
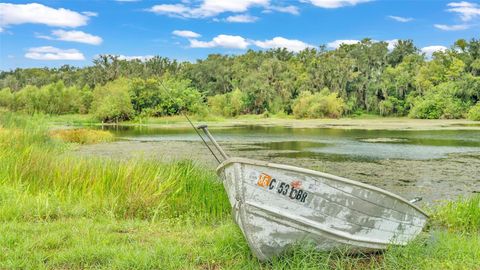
(231, 160)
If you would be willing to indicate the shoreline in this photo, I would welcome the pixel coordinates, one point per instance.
(376, 123)
(343, 123)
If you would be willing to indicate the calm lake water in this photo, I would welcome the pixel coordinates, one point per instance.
(436, 165)
(335, 144)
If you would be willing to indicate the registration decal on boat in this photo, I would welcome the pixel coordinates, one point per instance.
(264, 180)
(292, 190)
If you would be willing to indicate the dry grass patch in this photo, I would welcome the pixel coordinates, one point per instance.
(82, 136)
(9, 132)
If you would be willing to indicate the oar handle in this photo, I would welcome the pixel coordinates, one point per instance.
(210, 137)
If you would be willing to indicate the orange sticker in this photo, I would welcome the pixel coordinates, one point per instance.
(264, 180)
(296, 184)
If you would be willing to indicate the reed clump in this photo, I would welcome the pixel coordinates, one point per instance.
(82, 135)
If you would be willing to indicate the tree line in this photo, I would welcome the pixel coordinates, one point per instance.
(359, 78)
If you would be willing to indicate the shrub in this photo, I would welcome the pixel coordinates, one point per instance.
(439, 102)
(111, 102)
(86, 100)
(150, 98)
(218, 103)
(6, 98)
(230, 104)
(27, 99)
(426, 109)
(391, 106)
(474, 112)
(318, 105)
(52, 98)
(69, 101)
(236, 102)
(181, 96)
(385, 107)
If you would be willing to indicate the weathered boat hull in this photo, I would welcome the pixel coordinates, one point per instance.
(278, 205)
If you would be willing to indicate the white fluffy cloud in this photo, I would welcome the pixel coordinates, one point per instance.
(224, 41)
(293, 45)
(429, 50)
(171, 9)
(336, 44)
(466, 10)
(242, 18)
(52, 53)
(73, 36)
(238, 42)
(392, 43)
(216, 7)
(455, 27)
(90, 13)
(186, 34)
(135, 57)
(283, 9)
(400, 19)
(334, 3)
(13, 14)
(207, 8)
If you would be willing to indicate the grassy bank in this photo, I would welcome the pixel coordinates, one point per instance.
(79, 243)
(58, 211)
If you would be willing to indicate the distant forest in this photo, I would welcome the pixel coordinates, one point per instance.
(360, 78)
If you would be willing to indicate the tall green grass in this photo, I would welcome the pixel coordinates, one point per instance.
(79, 243)
(461, 215)
(35, 171)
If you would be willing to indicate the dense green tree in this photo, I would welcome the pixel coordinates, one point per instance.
(177, 96)
(367, 76)
(211, 76)
(111, 102)
(402, 49)
(164, 96)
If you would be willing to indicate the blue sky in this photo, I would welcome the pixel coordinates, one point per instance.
(53, 33)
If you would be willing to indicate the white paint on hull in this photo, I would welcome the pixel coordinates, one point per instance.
(336, 212)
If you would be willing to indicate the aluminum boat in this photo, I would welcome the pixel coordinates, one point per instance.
(277, 205)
